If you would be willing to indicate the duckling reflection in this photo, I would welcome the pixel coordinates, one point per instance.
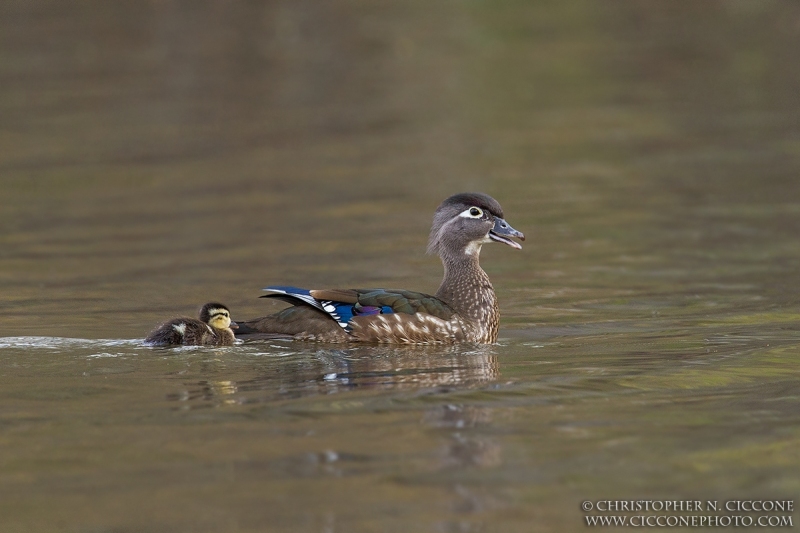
(218, 391)
(225, 390)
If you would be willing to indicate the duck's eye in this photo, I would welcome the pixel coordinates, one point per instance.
(473, 212)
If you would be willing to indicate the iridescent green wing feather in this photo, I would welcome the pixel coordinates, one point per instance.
(401, 301)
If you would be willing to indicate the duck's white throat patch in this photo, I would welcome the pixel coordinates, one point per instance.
(474, 247)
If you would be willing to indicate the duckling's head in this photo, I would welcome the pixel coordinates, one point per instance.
(217, 316)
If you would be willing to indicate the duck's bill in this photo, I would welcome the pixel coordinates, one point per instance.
(503, 232)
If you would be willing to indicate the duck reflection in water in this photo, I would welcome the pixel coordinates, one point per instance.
(328, 371)
(412, 367)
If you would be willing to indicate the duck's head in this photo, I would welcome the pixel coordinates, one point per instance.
(217, 316)
(464, 222)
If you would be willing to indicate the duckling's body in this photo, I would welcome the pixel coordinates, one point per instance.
(464, 309)
(213, 329)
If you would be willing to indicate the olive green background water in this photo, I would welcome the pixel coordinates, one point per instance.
(158, 155)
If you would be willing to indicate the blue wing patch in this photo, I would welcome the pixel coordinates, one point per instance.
(341, 312)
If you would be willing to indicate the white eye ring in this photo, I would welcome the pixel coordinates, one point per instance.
(472, 212)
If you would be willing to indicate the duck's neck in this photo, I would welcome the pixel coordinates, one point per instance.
(467, 289)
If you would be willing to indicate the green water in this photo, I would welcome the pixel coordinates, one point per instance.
(157, 156)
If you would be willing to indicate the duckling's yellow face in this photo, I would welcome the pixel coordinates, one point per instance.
(219, 318)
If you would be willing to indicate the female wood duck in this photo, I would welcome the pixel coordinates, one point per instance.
(213, 329)
(464, 308)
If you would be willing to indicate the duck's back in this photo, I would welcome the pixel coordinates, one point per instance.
(360, 315)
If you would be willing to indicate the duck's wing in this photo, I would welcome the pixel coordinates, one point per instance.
(386, 301)
(327, 314)
(337, 310)
(343, 304)
(400, 316)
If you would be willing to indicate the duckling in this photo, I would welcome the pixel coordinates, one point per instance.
(214, 328)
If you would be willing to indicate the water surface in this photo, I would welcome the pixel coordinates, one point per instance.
(157, 156)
